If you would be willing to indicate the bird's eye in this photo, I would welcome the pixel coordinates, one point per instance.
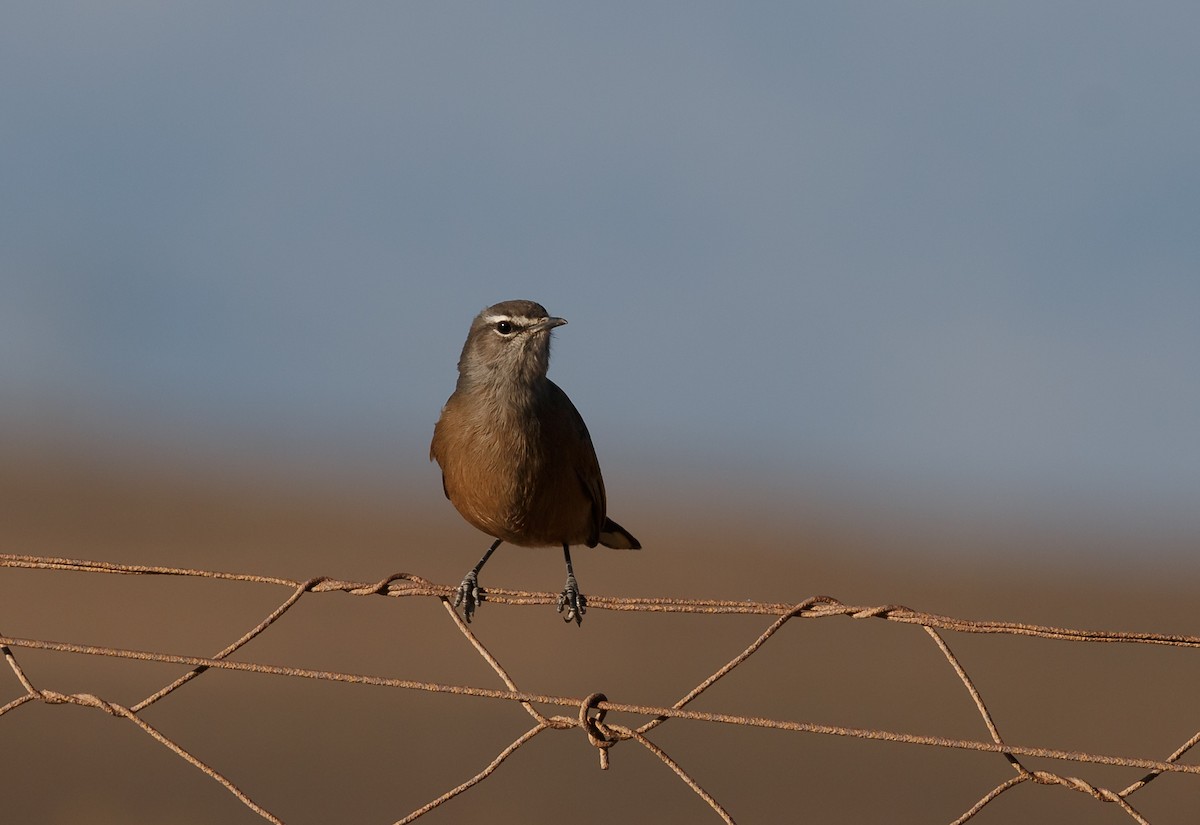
(504, 327)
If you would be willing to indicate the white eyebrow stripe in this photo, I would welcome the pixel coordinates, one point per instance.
(520, 320)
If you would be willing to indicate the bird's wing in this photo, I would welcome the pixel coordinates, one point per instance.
(582, 456)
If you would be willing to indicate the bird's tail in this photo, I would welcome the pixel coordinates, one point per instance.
(614, 535)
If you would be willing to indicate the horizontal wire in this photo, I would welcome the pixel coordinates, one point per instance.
(567, 701)
(409, 584)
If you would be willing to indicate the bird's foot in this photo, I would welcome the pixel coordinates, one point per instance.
(469, 595)
(573, 601)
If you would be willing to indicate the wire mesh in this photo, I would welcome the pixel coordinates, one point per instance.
(589, 713)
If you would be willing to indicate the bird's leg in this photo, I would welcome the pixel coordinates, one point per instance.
(469, 595)
(571, 598)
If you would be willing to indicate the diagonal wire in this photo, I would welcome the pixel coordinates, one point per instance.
(479, 777)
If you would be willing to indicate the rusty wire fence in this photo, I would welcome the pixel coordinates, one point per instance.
(588, 713)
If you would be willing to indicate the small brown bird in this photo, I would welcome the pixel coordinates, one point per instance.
(517, 461)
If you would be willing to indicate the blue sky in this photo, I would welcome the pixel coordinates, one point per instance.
(936, 247)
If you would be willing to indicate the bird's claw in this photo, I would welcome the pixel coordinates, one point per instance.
(469, 595)
(573, 601)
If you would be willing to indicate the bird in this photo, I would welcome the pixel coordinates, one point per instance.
(517, 460)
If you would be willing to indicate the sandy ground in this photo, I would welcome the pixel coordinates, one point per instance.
(319, 752)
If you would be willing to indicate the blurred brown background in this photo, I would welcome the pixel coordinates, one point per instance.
(894, 302)
(321, 752)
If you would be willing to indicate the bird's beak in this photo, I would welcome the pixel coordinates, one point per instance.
(548, 323)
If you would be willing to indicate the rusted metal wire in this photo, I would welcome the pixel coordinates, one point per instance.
(590, 711)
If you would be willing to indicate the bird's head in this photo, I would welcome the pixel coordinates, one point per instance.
(509, 342)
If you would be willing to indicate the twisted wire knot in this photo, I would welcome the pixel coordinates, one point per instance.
(53, 697)
(386, 586)
(561, 722)
(599, 734)
(1075, 783)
